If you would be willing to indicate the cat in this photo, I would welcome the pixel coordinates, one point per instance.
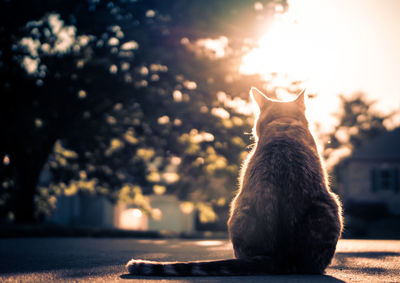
(284, 218)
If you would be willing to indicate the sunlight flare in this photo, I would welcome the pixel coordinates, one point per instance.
(294, 49)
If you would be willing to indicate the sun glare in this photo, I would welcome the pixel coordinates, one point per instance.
(133, 219)
(278, 51)
(293, 49)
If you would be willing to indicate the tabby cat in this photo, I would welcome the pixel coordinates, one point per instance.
(284, 218)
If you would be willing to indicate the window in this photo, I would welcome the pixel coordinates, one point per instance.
(385, 179)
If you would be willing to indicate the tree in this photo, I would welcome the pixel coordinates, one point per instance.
(357, 123)
(124, 94)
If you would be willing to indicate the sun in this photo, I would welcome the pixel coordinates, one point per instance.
(278, 52)
(292, 50)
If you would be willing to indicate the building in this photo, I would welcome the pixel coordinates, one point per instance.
(370, 179)
(84, 210)
(97, 211)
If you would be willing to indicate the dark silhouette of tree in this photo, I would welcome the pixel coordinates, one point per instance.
(123, 97)
(358, 122)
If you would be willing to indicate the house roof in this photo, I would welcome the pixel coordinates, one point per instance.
(383, 147)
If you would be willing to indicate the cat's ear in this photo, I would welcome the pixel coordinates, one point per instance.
(300, 99)
(258, 97)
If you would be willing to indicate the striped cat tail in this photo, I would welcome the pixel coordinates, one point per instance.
(228, 267)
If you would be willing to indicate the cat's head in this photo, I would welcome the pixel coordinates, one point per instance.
(270, 110)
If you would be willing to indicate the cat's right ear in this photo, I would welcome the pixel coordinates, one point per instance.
(258, 97)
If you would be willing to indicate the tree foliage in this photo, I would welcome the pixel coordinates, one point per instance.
(124, 98)
(357, 123)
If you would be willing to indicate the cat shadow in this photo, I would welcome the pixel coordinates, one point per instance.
(241, 279)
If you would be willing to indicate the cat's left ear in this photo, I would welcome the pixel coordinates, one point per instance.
(258, 97)
(300, 99)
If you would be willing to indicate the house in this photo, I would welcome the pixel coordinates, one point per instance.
(167, 215)
(98, 211)
(370, 179)
(83, 210)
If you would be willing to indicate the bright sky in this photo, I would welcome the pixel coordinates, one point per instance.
(336, 46)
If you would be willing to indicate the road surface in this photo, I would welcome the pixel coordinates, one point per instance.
(103, 260)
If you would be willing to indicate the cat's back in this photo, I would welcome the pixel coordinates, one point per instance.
(284, 207)
(276, 187)
(285, 159)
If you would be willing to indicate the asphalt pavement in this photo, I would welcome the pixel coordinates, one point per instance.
(103, 260)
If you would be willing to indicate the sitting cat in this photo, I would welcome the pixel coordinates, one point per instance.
(284, 219)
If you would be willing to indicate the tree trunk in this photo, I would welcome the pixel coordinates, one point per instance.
(24, 205)
(27, 179)
(28, 168)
